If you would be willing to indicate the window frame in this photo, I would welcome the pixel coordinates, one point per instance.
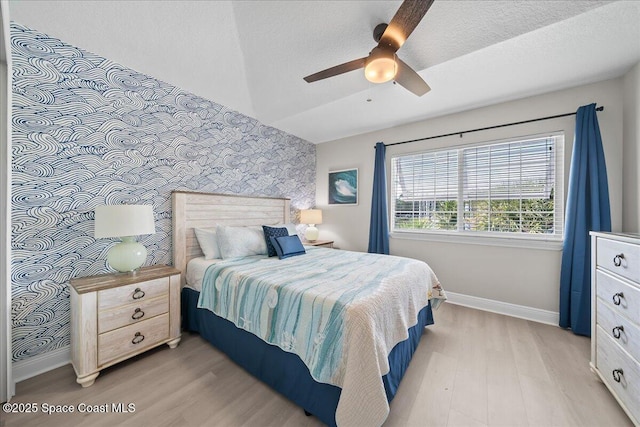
(492, 238)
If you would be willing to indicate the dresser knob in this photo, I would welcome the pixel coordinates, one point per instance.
(137, 338)
(617, 330)
(138, 293)
(137, 314)
(617, 375)
(617, 260)
(617, 298)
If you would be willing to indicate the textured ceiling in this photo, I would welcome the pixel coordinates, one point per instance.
(252, 55)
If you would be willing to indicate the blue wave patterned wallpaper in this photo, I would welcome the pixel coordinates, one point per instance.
(86, 132)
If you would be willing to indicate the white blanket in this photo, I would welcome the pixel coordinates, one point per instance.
(374, 327)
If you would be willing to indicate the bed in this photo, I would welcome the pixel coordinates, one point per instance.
(349, 382)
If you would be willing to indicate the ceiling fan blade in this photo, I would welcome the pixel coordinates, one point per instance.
(403, 23)
(338, 69)
(409, 79)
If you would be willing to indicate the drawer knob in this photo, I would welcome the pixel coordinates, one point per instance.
(137, 338)
(138, 293)
(137, 314)
(617, 260)
(617, 375)
(617, 330)
(617, 298)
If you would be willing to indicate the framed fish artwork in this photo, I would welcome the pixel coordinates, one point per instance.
(343, 187)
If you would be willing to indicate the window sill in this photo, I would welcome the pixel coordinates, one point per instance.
(481, 239)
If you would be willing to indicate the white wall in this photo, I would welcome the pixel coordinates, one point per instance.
(631, 151)
(6, 382)
(527, 277)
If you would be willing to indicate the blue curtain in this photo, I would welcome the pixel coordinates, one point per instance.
(379, 227)
(587, 209)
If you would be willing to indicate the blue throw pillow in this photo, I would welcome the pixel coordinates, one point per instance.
(270, 232)
(287, 246)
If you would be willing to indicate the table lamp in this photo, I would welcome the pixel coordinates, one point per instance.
(125, 222)
(311, 217)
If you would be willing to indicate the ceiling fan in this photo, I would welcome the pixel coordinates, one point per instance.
(382, 64)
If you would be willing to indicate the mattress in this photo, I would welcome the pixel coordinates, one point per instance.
(195, 271)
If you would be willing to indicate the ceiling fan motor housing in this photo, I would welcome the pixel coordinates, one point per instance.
(378, 31)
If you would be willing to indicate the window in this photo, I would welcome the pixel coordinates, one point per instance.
(507, 189)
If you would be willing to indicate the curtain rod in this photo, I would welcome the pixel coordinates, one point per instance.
(488, 128)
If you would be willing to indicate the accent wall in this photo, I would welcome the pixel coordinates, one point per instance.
(87, 132)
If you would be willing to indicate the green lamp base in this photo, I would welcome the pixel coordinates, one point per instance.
(127, 255)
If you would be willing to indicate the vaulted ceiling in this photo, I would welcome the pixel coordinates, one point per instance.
(252, 55)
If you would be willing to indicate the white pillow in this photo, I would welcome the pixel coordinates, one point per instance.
(207, 238)
(240, 241)
(291, 227)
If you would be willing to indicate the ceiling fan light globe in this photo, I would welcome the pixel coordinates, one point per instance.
(380, 70)
(380, 66)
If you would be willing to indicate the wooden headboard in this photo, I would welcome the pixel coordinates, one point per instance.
(204, 210)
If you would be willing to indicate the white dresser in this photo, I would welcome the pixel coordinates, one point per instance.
(615, 317)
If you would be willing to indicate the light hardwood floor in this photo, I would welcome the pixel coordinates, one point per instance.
(472, 368)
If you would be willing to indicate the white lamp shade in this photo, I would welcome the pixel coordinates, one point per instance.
(311, 216)
(124, 220)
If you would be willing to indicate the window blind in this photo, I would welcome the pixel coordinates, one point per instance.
(427, 190)
(508, 186)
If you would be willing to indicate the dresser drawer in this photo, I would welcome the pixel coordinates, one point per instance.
(610, 253)
(622, 297)
(611, 357)
(614, 325)
(132, 339)
(131, 313)
(136, 292)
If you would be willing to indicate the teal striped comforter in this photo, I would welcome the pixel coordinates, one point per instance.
(327, 306)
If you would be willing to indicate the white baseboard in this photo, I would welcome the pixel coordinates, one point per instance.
(514, 310)
(36, 365)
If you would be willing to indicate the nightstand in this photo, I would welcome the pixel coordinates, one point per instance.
(323, 243)
(117, 316)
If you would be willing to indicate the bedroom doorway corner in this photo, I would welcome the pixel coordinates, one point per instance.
(6, 380)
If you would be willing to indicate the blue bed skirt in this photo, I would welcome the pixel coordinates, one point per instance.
(285, 372)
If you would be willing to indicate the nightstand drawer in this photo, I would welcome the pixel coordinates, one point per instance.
(619, 257)
(131, 313)
(132, 339)
(136, 292)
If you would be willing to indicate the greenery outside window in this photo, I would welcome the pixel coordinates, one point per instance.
(503, 189)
